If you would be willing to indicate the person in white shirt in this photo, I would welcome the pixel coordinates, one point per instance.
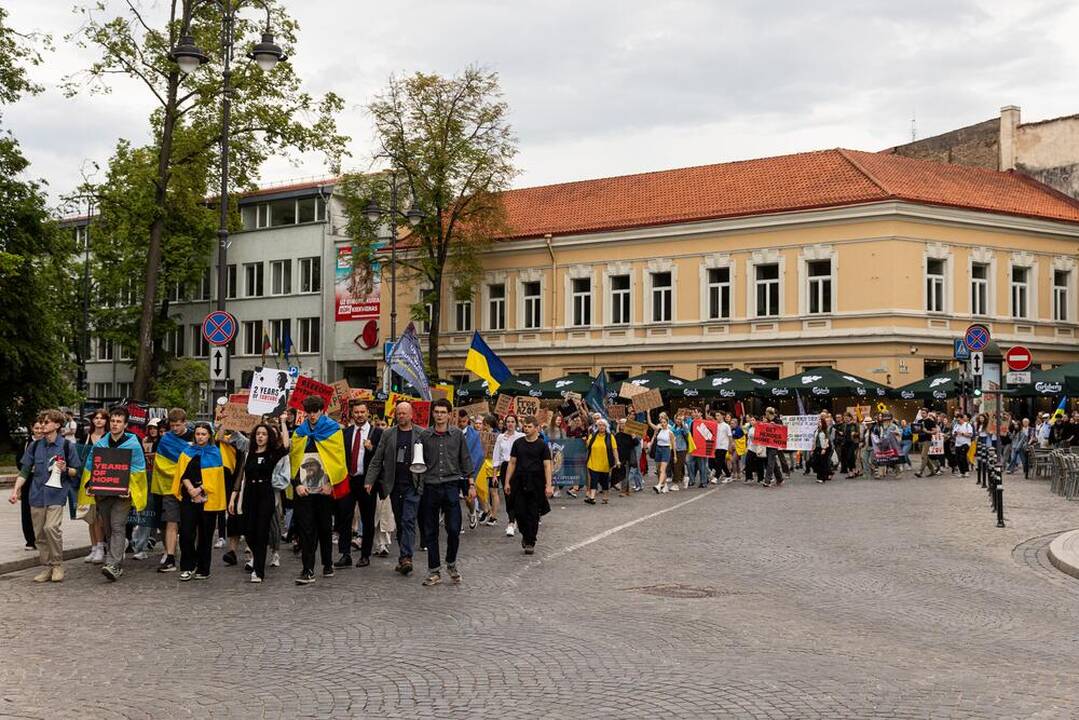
(962, 432)
(1044, 430)
(500, 461)
(723, 446)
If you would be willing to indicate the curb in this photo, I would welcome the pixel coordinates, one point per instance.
(7, 481)
(1064, 553)
(33, 560)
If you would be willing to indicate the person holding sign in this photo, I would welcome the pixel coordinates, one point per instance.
(663, 442)
(199, 486)
(117, 455)
(255, 496)
(530, 475)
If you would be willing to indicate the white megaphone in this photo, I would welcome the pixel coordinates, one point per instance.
(418, 465)
(54, 476)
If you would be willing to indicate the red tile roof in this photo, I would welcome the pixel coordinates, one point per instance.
(804, 181)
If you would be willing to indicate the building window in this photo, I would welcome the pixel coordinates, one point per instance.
(614, 376)
(204, 285)
(533, 305)
(768, 372)
(307, 209)
(103, 390)
(199, 346)
(661, 296)
(123, 389)
(463, 315)
(581, 291)
(1061, 280)
(979, 289)
(1020, 292)
(104, 349)
(310, 335)
(620, 300)
(252, 337)
(934, 285)
(282, 212)
(496, 306)
(719, 293)
(279, 330)
(767, 285)
(253, 280)
(80, 237)
(281, 277)
(175, 292)
(310, 275)
(426, 295)
(124, 352)
(174, 341)
(230, 282)
(820, 286)
(255, 216)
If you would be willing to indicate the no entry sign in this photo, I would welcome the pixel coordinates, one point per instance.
(1019, 357)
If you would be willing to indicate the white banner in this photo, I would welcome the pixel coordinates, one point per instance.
(800, 429)
(268, 391)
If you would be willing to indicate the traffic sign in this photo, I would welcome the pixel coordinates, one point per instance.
(1018, 358)
(976, 338)
(959, 350)
(977, 362)
(219, 327)
(1018, 377)
(219, 364)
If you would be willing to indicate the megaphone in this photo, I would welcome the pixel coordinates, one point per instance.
(54, 476)
(418, 465)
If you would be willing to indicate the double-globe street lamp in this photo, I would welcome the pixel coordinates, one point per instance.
(188, 56)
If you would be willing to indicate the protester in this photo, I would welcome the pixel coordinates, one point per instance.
(773, 475)
(602, 454)
(99, 428)
(500, 458)
(530, 476)
(163, 482)
(391, 469)
(1021, 443)
(723, 446)
(317, 453)
(962, 431)
(199, 487)
(254, 499)
(662, 442)
(681, 449)
(821, 459)
(24, 498)
(738, 448)
(449, 472)
(627, 445)
(697, 465)
(360, 440)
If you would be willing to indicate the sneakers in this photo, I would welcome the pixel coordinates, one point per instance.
(483, 517)
(572, 493)
(530, 549)
(727, 479)
(306, 578)
(434, 578)
(89, 558)
(168, 566)
(404, 567)
(97, 555)
(327, 572)
(382, 551)
(473, 520)
(455, 576)
(43, 576)
(141, 555)
(112, 572)
(343, 561)
(557, 493)
(185, 575)
(490, 521)
(255, 577)
(511, 529)
(363, 562)
(275, 560)
(657, 489)
(249, 566)
(202, 576)
(58, 574)
(219, 543)
(590, 501)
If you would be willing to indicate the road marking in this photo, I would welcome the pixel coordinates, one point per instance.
(619, 528)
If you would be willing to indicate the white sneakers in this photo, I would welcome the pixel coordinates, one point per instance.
(219, 543)
(255, 577)
(140, 555)
(275, 560)
(96, 556)
(685, 484)
(511, 529)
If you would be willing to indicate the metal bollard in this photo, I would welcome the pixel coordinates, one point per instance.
(998, 483)
(983, 471)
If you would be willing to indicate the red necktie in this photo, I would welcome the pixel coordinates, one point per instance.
(357, 441)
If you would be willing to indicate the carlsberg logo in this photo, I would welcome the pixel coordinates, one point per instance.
(1048, 387)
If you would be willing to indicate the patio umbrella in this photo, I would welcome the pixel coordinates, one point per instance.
(477, 389)
(934, 387)
(825, 382)
(666, 384)
(556, 389)
(1061, 380)
(733, 384)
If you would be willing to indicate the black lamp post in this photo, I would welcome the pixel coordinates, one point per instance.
(189, 57)
(414, 217)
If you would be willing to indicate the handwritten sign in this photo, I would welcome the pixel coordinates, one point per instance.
(572, 396)
(337, 407)
(630, 391)
(234, 416)
(487, 439)
(268, 390)
(111, 474)
(858, 412)
(477, 409)
(647, 400)
(305, 387)
(616, 411)
(635, 428)
(504, 405)
(526, 406)
(771, 435)
(421, 413)
(800, 431)
(442, 391)
(240, 397)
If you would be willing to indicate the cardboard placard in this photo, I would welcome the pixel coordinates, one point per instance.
(858, 412)
(504, 405)
(771, 435)
(442, 391)
(630, 391)
(111, 474)
(616, 411)
(704, 438)
(526, 406)
(338, 405)
(487, 439)
(543, 417)
(635, 428)
(647, 400)
(571, 396)
(240, 397)
(234, 416)
(269, 390)
(306, 386)
(477, 409)
(936, 444)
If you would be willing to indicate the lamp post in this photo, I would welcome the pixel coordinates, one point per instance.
(189, 57)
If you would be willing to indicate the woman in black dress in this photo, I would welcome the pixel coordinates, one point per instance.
(254, 493)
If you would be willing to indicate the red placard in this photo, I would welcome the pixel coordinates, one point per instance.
(1019, 357)
(306, 386)
(771, 435)
(421, 412)
(704, 438)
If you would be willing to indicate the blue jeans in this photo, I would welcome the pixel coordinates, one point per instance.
(635, 477)
(406, 504)
(697, 467)
(442, 499)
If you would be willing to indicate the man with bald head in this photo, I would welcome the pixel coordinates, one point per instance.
(390, 471)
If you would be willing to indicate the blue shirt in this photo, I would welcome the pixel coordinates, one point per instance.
(37, 457)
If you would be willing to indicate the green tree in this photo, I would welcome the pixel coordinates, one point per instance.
(452, 148)
(34, 278)
(178, 385)
(271, 115)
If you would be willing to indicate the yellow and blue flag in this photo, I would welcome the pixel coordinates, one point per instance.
(1061, 410)
(137, 483)
(212, 471)
(483, 361)
(168, 454)
(330, 444)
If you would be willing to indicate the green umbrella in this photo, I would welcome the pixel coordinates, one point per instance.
(825, 382)
(477, 390)
(1061, 380)
(732, 384)
(935, 387)
(666, 384)
(557, 389)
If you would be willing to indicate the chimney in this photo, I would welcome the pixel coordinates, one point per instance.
(1009, 132)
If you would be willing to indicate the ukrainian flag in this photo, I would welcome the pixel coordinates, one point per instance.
(213, 475)
(330, 443)
(483, 361)
(168, 454)
(137, 483)
(1061, 410)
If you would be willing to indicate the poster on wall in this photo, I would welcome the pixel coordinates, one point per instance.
(357, 291)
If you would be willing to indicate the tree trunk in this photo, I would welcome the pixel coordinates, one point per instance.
(436, 318)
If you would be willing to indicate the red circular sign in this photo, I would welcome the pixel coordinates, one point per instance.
(1019, 357)
(368, 337)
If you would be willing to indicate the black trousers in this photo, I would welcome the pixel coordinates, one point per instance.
(197, 527)
(528, 512)
(367, 502)
(344, 512)
(719, 463)
(314, 521)
(441, 499)
(27, 522)
(259, 509)
(502, 481)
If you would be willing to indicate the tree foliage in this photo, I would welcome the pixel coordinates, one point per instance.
(178, 385)
(451, 150)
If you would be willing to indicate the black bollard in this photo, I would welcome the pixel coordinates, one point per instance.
(999, 485)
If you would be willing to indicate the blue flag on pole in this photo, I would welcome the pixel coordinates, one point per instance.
(407, 361)
(596, 398)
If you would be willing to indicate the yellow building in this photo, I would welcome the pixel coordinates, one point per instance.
(868, 262)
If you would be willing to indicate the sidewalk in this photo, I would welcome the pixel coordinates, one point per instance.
(12, 555)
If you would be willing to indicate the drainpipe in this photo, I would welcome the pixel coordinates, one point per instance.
(327, 328)
(554, 285)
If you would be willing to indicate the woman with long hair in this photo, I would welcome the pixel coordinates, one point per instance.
(254, 495)
(199, 485)
(663, 441)
(99, 428)
(500, 460)
(822, 451)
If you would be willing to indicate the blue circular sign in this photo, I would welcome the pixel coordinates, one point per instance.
(976, 338)
(219, 327)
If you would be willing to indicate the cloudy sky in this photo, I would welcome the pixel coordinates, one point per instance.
(610, 87)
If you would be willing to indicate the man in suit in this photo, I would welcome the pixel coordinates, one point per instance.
(361, 439)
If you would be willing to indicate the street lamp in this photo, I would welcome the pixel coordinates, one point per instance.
(188, 56)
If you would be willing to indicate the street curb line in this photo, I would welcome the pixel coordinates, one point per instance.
(32, 559)
(1064, 553)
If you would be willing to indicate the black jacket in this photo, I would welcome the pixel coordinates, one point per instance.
(374, 436)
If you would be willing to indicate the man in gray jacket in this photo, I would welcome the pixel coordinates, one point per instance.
(449, 472)
(390, 469)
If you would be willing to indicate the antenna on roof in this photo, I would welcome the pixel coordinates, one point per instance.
(913, 126)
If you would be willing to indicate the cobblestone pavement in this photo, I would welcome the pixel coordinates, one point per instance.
(857, 599)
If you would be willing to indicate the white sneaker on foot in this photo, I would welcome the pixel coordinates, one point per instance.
(255, 577)
(98, 555)
(90, 558)
(219, 543)
(275, 560)
(140, 555)
(511, 530)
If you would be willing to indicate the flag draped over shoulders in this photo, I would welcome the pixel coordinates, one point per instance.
(212, 471)
(137, 486)
(168, 454)
(330, 443)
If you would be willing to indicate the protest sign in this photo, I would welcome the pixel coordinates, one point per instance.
(138, 414)
(477, 409)
(487, 439)
(616, 411)
(800, 431)
(568, 459)
(630, 391)
(704, 438)
(543, 417)
(526, 406)
(421, 413)
(394, 398)
(361, 394)
(773, 435)
(337, 408)
(111, 474)
(442, 391)
(858, 412)
(636, 429)
(504, 405)
(306, 387)
(647, 400)
(234, 416)
(240, 397)
(571, 396)
(936, 444)
(268, 392)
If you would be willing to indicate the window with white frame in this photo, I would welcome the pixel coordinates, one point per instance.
(662, 289)
(202, 289)
(102, 389)
(230, 282)
(253, 280)
(1061, 281)
(533, 304)
(104, 349)
(934, 285)
(200, 348)
(123, 389)
(581, 293)
(281, 277)
(310, 332)
(819, 273)
(282, 212)
(252, 337)
(496, 306)
(766, 283)
(279, 330)
(620, 299)
(175, 292)
(979, 289)
(462, 311)
(426, 296)
(310, 275)
(124, 352)
(1020, 292)
(174, 341)
(719, 293)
